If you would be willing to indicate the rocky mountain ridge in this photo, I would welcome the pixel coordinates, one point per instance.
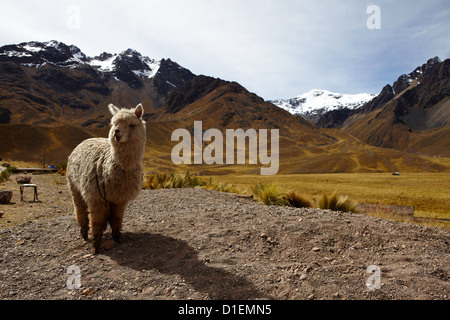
(336, 118)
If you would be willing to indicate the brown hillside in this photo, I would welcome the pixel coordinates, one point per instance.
(54, 106)
(415, 121)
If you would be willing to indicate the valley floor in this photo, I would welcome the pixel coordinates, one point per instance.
(429, 193)
(200, 244)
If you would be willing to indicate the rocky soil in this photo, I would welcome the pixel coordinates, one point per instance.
(199, 244)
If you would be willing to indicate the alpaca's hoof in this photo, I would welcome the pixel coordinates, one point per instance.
(96, 247)
(84, 233)
(116, 238)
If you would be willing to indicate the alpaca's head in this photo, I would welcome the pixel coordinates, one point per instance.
(126, 125)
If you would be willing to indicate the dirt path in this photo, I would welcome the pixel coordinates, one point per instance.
(198, 244)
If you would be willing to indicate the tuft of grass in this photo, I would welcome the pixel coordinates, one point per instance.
(186, 180)
(166, 181)
(297, 200)
(269, 194)
(272, 194)
(221, 187)
(337, 202)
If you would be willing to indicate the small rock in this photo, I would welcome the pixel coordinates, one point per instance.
(1, 214)
(23, 179)
(108, 245)
(311, 297)
(303, 276)
(315, 249)
(88, 291)
(5, 196)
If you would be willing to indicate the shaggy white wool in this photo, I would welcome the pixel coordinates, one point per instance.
(107, 173)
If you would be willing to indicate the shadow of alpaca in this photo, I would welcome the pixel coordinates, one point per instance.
(173, 256)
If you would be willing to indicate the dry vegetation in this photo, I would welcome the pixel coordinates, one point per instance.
(429, 193)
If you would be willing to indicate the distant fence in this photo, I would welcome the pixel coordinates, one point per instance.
(386, 208)
(403, 211)
(36, 170)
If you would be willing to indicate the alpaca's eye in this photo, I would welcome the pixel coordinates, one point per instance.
(132, 125)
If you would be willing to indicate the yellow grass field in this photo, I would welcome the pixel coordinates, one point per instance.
(429, 193)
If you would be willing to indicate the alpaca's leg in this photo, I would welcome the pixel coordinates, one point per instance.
(117, 212)
(83, 221)
(98, 225)
(81, 212)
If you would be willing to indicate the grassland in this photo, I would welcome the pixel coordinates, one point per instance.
(429, 193)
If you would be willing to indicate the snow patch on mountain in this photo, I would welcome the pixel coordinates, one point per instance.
(313, 104)
(104, 62)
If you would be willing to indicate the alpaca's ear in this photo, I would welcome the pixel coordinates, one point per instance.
(113, 109)
(139, 111)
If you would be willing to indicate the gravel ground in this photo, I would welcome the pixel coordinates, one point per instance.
(199, 244)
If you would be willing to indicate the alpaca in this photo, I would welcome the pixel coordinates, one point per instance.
(105, 174)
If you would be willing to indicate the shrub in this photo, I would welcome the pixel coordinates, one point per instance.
(337, 202)
(61, 167)
(7, 172)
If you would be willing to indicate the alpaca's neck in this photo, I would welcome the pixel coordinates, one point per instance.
(128, 155)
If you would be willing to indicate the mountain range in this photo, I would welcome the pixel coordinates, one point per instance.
(53, 96)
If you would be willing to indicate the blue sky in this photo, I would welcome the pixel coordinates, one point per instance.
(275, 48)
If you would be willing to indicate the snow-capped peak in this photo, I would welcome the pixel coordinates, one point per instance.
(37, 54)
(316, 102)
(140, 65)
